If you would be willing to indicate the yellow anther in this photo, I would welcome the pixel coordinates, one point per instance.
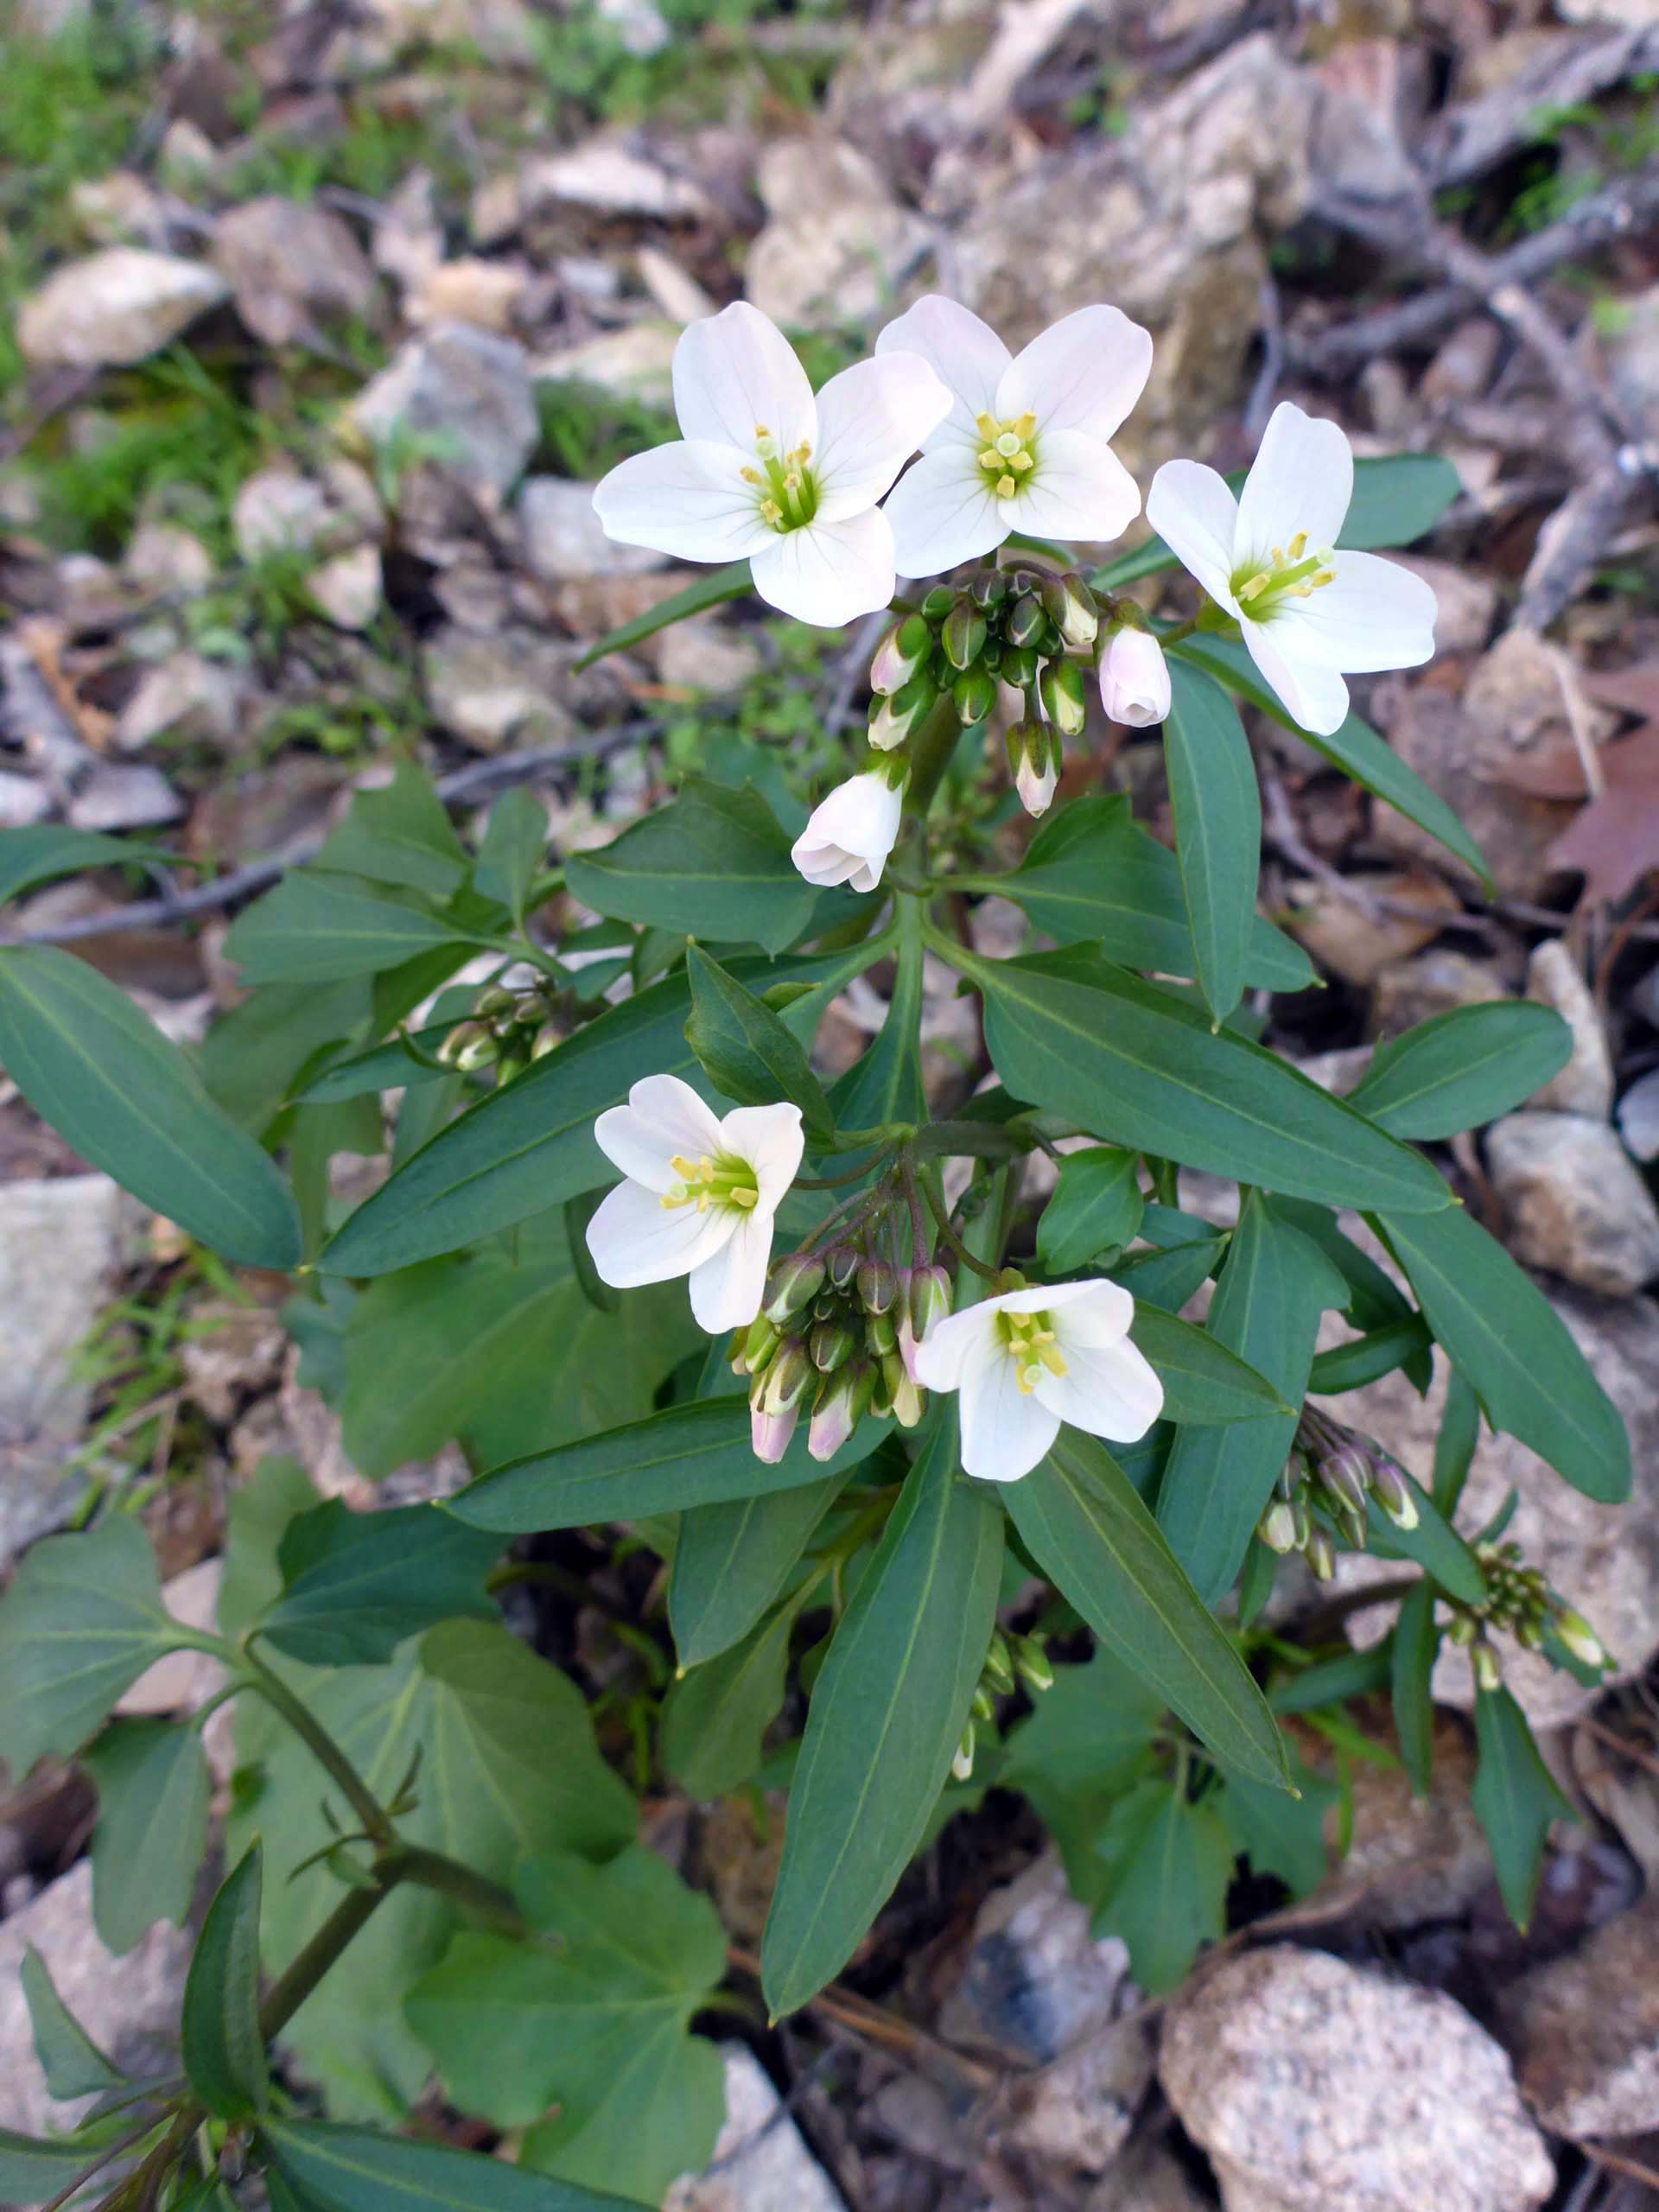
(1278, 556)
(1020, 462)
(740, 1196)
(761, 431)
(771, 513)
(1299, 545)
(1257, 584)
(1006, 487)
(1025, 425)
(988, 426)
(990, 458)
(1324, 576)
(802, 454)
(792, 480)
(1051, 1357)
(752, 476)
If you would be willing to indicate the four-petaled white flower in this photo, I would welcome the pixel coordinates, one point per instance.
(765, 473)
(1025, 445)
(699, 1198)
(1308, 613)
(1134, 679)
(1030, 1359)
(851, 832)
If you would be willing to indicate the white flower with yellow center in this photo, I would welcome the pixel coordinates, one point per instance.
(1025, 445)
(699, 1199)
(1308, 613)
(1031, 1359)
(768, 473)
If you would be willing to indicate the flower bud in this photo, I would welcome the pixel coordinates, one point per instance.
(982, 1706)
(1277, 1527)
(1529, 1633)
(973, 695)
(492, 1001)
(1343, 1473)
(469, 1047)
(905, 1395)
(1134, 678)
(836, 1413)
(546, 1038)
(532, 1008)
(1299, 1506)
(930, 1298)
(760, 1341)
(997, 1673)
(769, 1433)
(1060, 690)
(1460, 1630)
(831, 1344)
(1024, 621)
(988, 588)
(964, 634)
(1320, 1554)
(881, 1333)
(792, 1284)
(1018, 666)
(511, 1063)
(1031, 1662)
(939, 603)
(1070, 606)
(1036, 771)
(903, 650)
(1392, 1492)
(1580, 1639)
(892, 720)
(878, 1284)
(961, 1765)
(787, 1377)
(1488, 1672)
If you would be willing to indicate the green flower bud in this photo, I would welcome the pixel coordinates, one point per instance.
(787, 1378)
(1025, 622)
(983, 1707)
(546, 1039)
(1581, 1639)
(988, 588)
(973, 695)
(964, 634)
(1061, 691)
(1343, 1473)
(831, 1344)
(792, 1284)
(878, 1284)
(1460, 1630)
(930, 1298)
(758, 1345)
(961, 1765)
(1488, 1672)
(1031, 1662)
(903, 650)
(880, 1333)
(997, 1673)
(1304, 1521)
(1018, 666)
(511, 1064)
(893, 720)
(1321, 1555)
(470, 1046)
(495, 998)
(1392, 1492)
(842, 1261)
(1529, 1633)
(1277, 1527)
(1070, 606)
(939, 603)
(905, 1395)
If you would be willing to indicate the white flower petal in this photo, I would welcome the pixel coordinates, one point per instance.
(955, 1344)
(1094, 1311)
(727, 1288)
(1135, 679)
(634, 1238)
(965, 354)
(850, 834)
(830, 572)
(1193, 510)
(1005, 1430)
(1315, 697)
(1085, 372)
(687, 499)
(734, 374)
(942, 512)
(1110, 1390)
(871, 418)
(770, 1138)
(1079, 489)
(1302, 477)
(662, 1116)
(1374, 614)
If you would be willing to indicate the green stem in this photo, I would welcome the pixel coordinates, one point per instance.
(371, 1816)
(931, 750)
(347, 1920)
(951, 1238)
(475, 1893)
(1178, 634)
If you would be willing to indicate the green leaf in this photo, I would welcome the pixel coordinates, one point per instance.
(398, 834)
(1206, 1384)
(313, 928)
(529, 1146)
(1089, 1740)
(1501, 1333)
(253, 1056)
(713, 863)
(695, 1454)
(1169, 1864)
(1355, 748)
(223, 2050)
(382, 1067)
(506, 1765)
(1217, 812)
(887, 1714)
(514, 847)
(153, 1790)
(354, 2169)
(1351, 1366)
(1412, 1651)
(71, 2062)
(715, 1715)
(1097, 1542)
(1129, 1063)
(1332, 1681)
(1454, 1443)
(33, 2168)
(594, 2019)
(1092, 873)
(885, 1084)
(1462, 1069)
(82, 1620)
(111, 1085)
(731, 1561)
(1433, 1544)
(1515, 1798)
(356, 1584)
(747, 1052)
(712, 590)
(44, 850)
(1280, 1836)
(1096, 1204)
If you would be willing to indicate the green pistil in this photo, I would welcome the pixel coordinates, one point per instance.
(1259, 588)
(723, 1181)
(1031, 1345)
(790, 489)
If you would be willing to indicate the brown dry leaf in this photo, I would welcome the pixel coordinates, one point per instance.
(1635, 688)
(1615, 841)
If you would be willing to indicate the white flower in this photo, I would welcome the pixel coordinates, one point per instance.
(1025, 444)
(699, 1198)
(1032, 1358)
(1308, 612)
(766, 474)
(850, 833)
(1134, 678)
(1033, 754)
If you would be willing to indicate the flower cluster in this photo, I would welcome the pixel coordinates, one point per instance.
(506, 1030)
(1520, 1604)
(1331, 1473)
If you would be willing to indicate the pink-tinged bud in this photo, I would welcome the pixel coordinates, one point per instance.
(900, 653)
(787, 1377)
(1343, 1473)
(1135, 678)
(770, 1434)
(842, 1403)
(1037, 771)
(930, 1298)
(1392, 1492)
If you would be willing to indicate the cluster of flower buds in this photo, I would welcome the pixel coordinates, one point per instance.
(1334, 1471)
(506, 1030)
(1521, 1605)
(837, 1336)
(1009, 1660)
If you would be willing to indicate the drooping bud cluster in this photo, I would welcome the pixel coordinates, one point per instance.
(837, 1336)
(1332, 1472)
(1520, 1604)
(506, 1030)
(1010, 1660)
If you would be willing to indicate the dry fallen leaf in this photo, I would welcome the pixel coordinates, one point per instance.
(1615, 841)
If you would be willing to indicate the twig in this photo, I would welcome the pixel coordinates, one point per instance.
(1615, 1742)
(1615, 2162)
(876, 2024)
(1576, 537)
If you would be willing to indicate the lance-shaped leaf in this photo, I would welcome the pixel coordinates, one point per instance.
(1204, 1382)
(515, 843)
(1091, 1535)
(43, 851)
(399, 834)
(731, 1559)
(713, 863)
(153, 1789)
(1096, 1204)
(34, 2167)
(1462, 1069)
(1168, 1865)
(1515, 1797)
(71, 2062)
(713, 590)
(746, 1050)
(1217, 811)
(1412, 1650)
(887, 1713)
(315, 928)
(354, 1585)
(356, 2169)
(715, 1715)
(223, 2050)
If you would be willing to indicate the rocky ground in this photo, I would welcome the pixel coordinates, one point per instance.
(322, 321)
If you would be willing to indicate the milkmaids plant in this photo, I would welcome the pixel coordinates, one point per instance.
(908, 1406)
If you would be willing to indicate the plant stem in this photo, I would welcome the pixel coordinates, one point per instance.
(290, 1989)
(475, 1892)
(951, 1237)
(371, 1816)
(930, 756)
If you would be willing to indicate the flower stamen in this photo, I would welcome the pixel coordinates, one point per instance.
(1007, 454)
(1033, 1349)
(1289, 573)
(725, 1181)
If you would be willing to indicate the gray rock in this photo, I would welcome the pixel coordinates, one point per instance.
(837, 245)
(1415, 991)
(704, 655)
(1584, 1085)
(62, 1245)
(162, 557)
(124, 795)
(1312, 2084)
(181, 1681)
(130, 2006)
(292, 267)
(1576, 1203)
(349, 588)
(201, 700)
(564, 538)
(1639, 1116)
(114, 307)
(465, 394)
(1412, 1859)
(760, 2163)
(636, 361)
(277, 511)
(1146, 2179)
(613, 179)
(22, 800)
(1585, 2032)
(491, 690)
